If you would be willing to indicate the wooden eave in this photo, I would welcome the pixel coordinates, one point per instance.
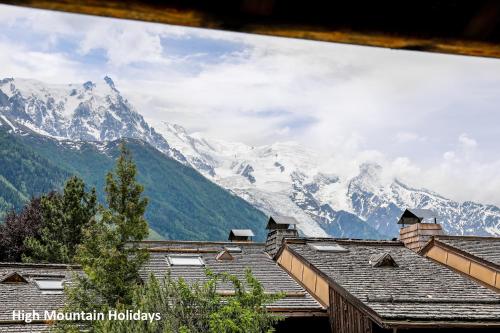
(441, 324)
(302, 312)
(338, 288)
(435, 242)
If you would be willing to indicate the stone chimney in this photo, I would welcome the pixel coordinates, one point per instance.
(279, 227)
(418, 226)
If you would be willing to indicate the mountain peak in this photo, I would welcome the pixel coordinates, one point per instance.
(370, 168)
(6, 80)
(110, 82)
(89, 85)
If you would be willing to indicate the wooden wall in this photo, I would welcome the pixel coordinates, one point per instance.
(344, 317)
(417, 235)
(465, 265)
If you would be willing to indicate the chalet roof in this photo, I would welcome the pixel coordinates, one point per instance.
(484, 248)
(252, 255)
(416, 290)
(27, 296)
(289, 220)
(242, 232)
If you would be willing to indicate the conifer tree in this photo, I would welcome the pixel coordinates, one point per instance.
(63, 218)
(108, 256)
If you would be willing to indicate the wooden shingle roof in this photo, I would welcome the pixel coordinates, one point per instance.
(252, 255)
(416, 290)
(25, 295)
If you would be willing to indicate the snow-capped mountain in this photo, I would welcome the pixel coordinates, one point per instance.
(288, 179)
(283, 178)
(92, 111)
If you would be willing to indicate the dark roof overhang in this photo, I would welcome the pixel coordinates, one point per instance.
(455, 27)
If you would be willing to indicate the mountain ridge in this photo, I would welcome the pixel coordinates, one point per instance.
(183, 204)
(281, 178)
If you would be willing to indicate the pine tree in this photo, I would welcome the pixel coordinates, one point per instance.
(64, 217)
(108, 256)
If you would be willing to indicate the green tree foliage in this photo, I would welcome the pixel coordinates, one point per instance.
(245, 312)
(24, 173)
(198, 308)
(64, 217)
(108, 254)
(18, 227)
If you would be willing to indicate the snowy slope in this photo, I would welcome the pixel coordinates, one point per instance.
(284, 177)
(92, 111)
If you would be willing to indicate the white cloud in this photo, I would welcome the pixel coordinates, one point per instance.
(50, 67)
(466, 141)
(405, 137)
(449, 156)
(124, 46)
(403, 109)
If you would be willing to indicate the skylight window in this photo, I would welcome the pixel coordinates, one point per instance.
(50, 285)
(185, 261)
(233, 249)
(328, 248)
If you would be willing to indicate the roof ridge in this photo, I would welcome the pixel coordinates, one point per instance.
(37, 265)
(397, 299)
(190, 242)
(304, 240)
(467, 237)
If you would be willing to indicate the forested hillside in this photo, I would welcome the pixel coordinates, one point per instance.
(183, 203)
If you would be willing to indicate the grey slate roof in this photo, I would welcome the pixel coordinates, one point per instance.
(485, 248)
(264, 268)
(418, 289)
(27, 296)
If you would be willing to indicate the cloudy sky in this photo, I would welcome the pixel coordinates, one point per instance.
(432, 120)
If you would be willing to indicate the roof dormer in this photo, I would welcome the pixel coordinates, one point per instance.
(13, 277)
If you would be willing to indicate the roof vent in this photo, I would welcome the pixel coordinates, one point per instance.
(13, 277)
(416, 215)
(383, 260)
(241, 235)
(224, 255)
(281, 222)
